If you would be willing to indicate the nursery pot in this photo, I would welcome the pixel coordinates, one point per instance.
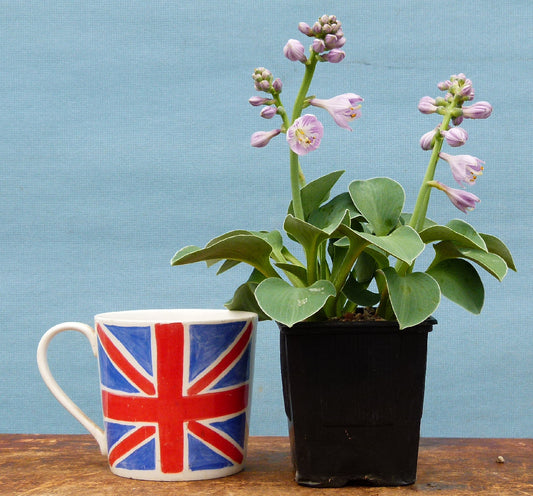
(353, 396)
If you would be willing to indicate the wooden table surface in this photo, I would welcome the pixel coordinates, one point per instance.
(51, 465)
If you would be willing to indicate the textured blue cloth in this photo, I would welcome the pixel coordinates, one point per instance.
(125, 136)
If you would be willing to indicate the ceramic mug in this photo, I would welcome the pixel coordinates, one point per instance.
(176, 387)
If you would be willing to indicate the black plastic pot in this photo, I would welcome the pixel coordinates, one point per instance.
(353, 396)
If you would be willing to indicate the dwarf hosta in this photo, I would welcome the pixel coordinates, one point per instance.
(358, 248)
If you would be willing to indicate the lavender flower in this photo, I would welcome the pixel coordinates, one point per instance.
(462, 199)
(465, 168)
(305, 134)
(294, 51)
(262, 138)
(480, 110)
(455, 137)
(343, 108)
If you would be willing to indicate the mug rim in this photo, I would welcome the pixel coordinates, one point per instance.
(170, 315)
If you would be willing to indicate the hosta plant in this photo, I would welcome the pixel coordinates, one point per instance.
(359, 248)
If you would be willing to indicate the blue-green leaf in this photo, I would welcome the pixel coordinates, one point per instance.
(316, 192)
(498, 247)
(414, 297)
(492, 263)
(246, 248)
(380, 201)
(460, 283)
(403, 243)
(287, 304)
(458, 231)
(359, 294)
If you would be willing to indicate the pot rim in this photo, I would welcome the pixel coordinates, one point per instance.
(334, 326)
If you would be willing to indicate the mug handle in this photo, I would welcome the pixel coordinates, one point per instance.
(53, 386)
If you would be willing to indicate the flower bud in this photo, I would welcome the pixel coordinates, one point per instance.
(268, 112)
(305, 29)
(467, 91)
(277, 85)
(480, 110)
(455, 137)
(341, 40)
(457, 121)
(294, 51)
(318, 46)
(262, 138)
(331, 41)
(426, 105)
(256, 101)
(427, 140)
(264, 85)
(334, 56)
(444, 85)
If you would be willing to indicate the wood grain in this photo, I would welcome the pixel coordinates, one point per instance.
(54, 465)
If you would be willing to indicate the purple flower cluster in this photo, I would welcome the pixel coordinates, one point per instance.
(329, 39)
(305, 133)
(264, 81)
(465, 168)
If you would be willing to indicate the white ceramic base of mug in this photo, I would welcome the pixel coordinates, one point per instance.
(187, 475)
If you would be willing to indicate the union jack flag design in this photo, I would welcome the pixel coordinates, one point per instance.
(174, 396)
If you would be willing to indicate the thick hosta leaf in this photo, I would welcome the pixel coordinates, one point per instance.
(274, 239)
(498, 247)
(357, 293)
(460, 283)
(296, 270)
(244, 299)
(365, 267)
(227, 265)
(414, 297)
(492, 263)
(310, 236)
(406, 218)
(325, 215)
(306, 234)
(317, 192)
(403, 243)
(457, 231)
(246, 248)
(380, 200)
(286, 304)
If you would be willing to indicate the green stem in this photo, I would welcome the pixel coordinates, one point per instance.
(281, 111)
(295, 171)
(304, 88)
(295, 186)
(422, 202)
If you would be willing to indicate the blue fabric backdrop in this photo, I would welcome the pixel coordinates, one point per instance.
(125, 135)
